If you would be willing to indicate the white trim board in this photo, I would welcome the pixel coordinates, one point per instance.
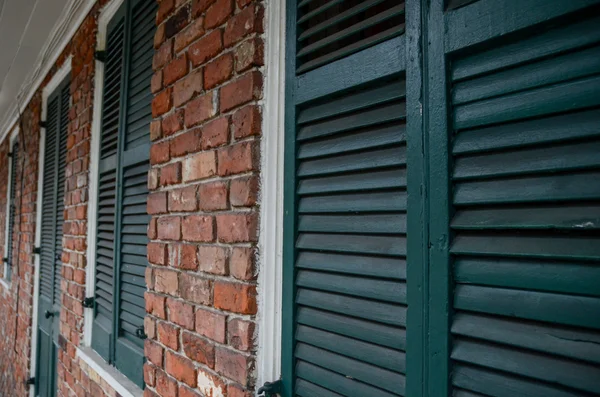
(56, 80)
(67, 25)
(271, 220)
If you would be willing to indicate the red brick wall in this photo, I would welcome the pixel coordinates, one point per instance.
(204, 182)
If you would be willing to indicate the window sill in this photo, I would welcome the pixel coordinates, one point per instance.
(115, 379)
(5, 284)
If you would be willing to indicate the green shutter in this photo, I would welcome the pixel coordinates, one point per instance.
(122, 216)
(345, 199)
(55, 151)
(11, 210)
(107, 186)
(525, 180)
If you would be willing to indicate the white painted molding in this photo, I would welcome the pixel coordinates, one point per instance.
(90, 280)
(10, 187)
(69, 21)
(52, 85)
(110, 374)
(271, 220)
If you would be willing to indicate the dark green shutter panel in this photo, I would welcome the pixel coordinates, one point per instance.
(57, 122)
(346, 243)
(107, 182)
(332, 29)
(135, 163)
(526, 196)
(122, 216)
(12, 209)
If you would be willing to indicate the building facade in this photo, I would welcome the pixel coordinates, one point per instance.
(341, 198)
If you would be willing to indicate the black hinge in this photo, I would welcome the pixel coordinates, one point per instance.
(10, 154)
(5, 260)
(270, 389)
(100, 56)
(88, 302)
(37, 250)
(30, 381)
(140, 333)
(43, 124)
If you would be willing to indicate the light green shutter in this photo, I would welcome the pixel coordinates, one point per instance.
(122, 216)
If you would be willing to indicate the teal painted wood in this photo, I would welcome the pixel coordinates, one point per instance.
(437, 149)
(524, 165)
(344, 308)
(123, 219)
(53, 174)
(417, 376)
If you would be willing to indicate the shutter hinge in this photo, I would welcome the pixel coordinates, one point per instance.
(10, 154)
(37, 250)
(43, 124)
(30, 381)
(88, 302)
(100, 56)
(140, 333)
(5, 260)
(270, 389)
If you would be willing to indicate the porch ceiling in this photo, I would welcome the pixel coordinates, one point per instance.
(27, 31)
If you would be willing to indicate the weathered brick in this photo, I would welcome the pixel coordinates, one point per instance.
(157, 253)
(206, 48)
(215, 133)
(241, 263)
(246, 122)
(155, 305)
(169, 228)
(155, 130)
(241, 91)
(180, 368)
(189, 34)
(211, 325)
(198, 228)
(188, 142)
(185, 391)
(166, 281)
(165, 8)
(235, 297)
(195, 289)
(156, 84)
(188, 87)
(170, 174)
(163, 55)
(159, 153)
(233, 365)
(199, 6)
(165, 386)
(153, 352)
(168, 335)
(184, 199)
(199, 166)
(157, 203)
(199, 110)
(244, 191)
(249, 54)
(213, 259)
(181, 313)
(218, 71)
(237, 227)
(161, 103)
(218, 13)
(172, 123)
(198, 349)
(248, 21)
(212, 196)
(176, 69)
(149, 374)
(240, 334)
(177, 22)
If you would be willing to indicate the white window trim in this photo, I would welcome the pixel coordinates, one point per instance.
(109, 373)
(3, 281)
(48, 90)
(271, 222)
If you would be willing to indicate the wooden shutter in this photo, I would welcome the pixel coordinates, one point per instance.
(345, 255)
(133, 182)
(107, 186)
(122, 216)
(525, 198)
(12, 209)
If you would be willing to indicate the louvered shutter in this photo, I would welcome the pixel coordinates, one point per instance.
(124, 163)
(11, 210)
(346, 240)
(525, 180)
(102, 333)
(133, 182)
